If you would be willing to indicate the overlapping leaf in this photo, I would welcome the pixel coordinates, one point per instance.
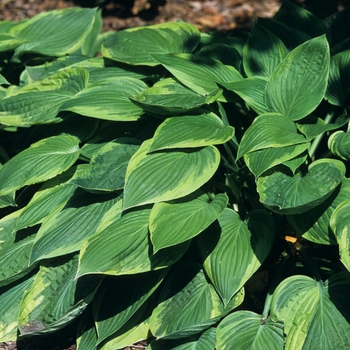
(339, 144)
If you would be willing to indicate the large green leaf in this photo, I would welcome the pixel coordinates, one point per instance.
(263, 52)
(42, 161)
(340, 225)
(339, 144)
(107, 168)
(298, 84)
(40, 101)
(113, 96)
(10, 302)
(188, 304)
(136, 45)
(269, 130)
(296, 194)
(314, 223)
(177, 221)
(167, 175)
(315, 313)
(240, 250)
(123, 247)
(247, 330)
(191, 131)
(55, 297)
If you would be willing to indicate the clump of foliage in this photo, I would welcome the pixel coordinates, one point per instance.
(141, 189)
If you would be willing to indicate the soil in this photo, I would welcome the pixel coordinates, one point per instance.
(207, 15)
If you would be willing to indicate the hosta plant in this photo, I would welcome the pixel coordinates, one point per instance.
(186, 189)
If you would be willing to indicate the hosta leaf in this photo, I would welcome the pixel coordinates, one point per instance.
(204, 341)
(65, 232)
(339, 79)
(167, 175)
(312, 310)
(169, 97)
(340, 225)
(40, 32)
(113, 96)
(55, 297)
(10, 301)
(123, 247)
(243, 330)
(298, 84)
(191, 131)
(86, 333)
(264, 159)
(251, 90)
(239, 252)
(107, 168)
(8, 200)
(8, 229)
(189, 304)
(177, 221)
(339, 144)
(42, 161)
(314, 224)
(111, 318)
(294, 195)
(263, 52)
(135, 46)
(3, 80)
(269, 130)
(39, 102)
(198, 73)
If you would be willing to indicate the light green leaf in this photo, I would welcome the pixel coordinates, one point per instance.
(8, 229)
(10, 301)
(313, 224)
(42, 161)
(136, 45)
(270, 130)
(296, 194)
(191, 131)
(340, 225)
(263, 52)
(107, 168)
(339, 144)
(113, 96)
(312, 310)
(3, 80)
(55, 297)
(189, 304)
(243, 330)
(240, 250)
(167, 175)
(123, 248)
(66, 231)
(298, 84)
(177, 221)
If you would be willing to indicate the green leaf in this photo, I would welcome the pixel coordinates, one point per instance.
(123, 248)
(167, 175)
(312, 310)
(240, 250)
(42, 161)
(298, 84)
(86, 333)
(269, 130)
(247, 330)
(55, 297)
(339, 144)
(40, 101)
(284, 194)
(169, 97)
(177, 221)
(191, 131)
(189, 304)
(10, 301)
(340, 225)
(107, 168)
(113, 96)
(314, 224)
(263, 52)
(135, 46)
(65, 232)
